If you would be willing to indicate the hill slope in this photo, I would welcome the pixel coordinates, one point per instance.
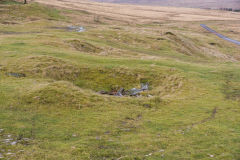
(63, 64)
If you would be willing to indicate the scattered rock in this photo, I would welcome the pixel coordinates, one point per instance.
(14, 143)
(119, 92)
(148, 154)
(98, 138)
(132, 92)
(71, 28)
(9, 153)
(144, 87)
(74, 135)
(8, 140)
(210, 155)
(161, 150)
(17, 75)
(76, 28)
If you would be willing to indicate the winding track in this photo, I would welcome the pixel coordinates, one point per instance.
(220, 35)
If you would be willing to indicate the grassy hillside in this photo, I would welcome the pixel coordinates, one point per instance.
(51, 75)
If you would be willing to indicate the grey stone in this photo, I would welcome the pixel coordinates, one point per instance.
(76, 28)
(120, 92)
(1, 156)
(17, 75)
(144, 87)
(13, 143)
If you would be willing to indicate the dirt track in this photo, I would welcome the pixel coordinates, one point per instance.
(143, 13)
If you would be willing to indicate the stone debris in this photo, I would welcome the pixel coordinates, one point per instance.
(98, 138)
(17, 75)
(74, 135)
(76, 28)
(1, 156)
(8, 140)
(210, 155)
(120, 92)
(144, 87)
(150, 154)
(9, 153)
(132, 92)
(71, 28)
(13, 143)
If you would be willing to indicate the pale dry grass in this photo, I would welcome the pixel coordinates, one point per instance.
(214, 4)
(143, 13)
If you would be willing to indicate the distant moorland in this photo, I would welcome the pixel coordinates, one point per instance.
(214, 4)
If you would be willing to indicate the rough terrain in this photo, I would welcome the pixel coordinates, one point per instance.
(63, 63)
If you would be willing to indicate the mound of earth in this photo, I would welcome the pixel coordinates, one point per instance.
(60, 93)
(45, 67)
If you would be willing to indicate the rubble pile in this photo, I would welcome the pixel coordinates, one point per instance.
(131, 92)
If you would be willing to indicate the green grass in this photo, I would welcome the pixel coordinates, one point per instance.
(9, 2)
(55, 111)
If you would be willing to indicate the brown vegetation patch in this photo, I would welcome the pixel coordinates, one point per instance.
(45, 67)
(182, 44)
(84, 46)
